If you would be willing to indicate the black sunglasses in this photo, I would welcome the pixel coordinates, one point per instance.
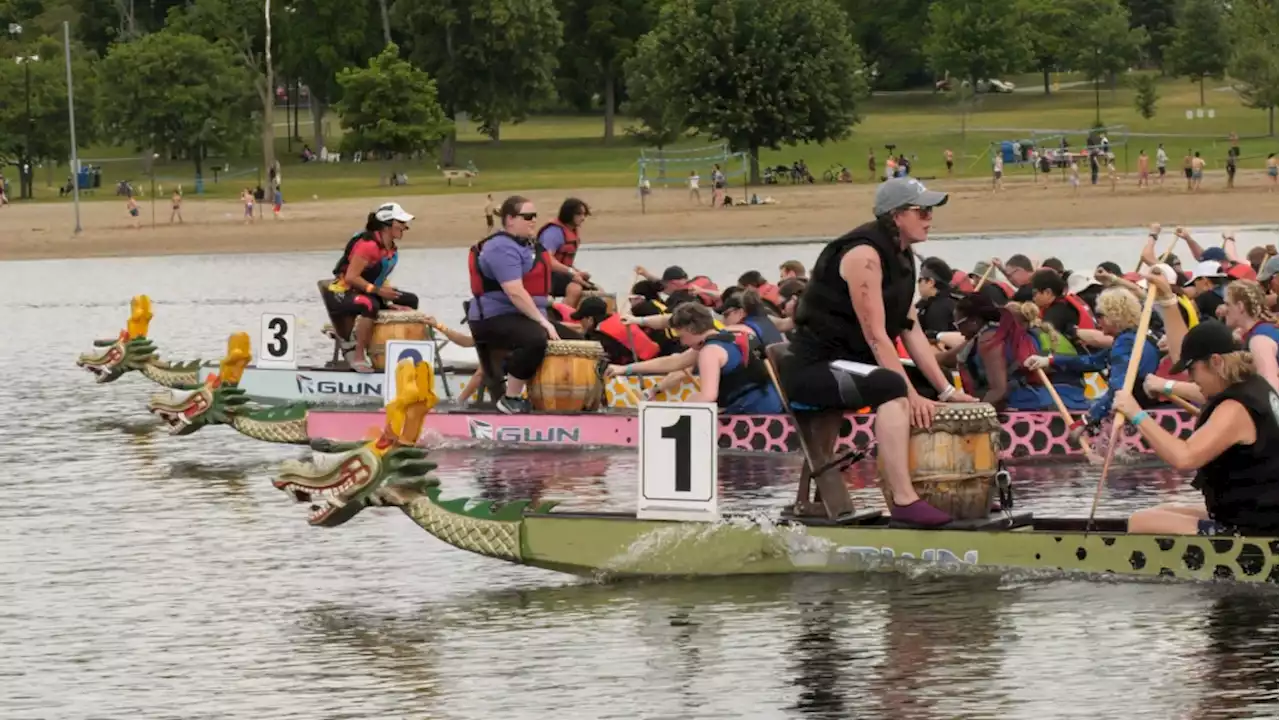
(528, 216)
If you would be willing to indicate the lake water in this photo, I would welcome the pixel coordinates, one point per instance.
(145, 576)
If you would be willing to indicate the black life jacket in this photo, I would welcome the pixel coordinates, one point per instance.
(373, 271)
(750, 376)
(826, 326)
(1240, 485)
(537, 280)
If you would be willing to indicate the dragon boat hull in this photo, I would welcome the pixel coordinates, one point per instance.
(1023, 434)
(606, 546)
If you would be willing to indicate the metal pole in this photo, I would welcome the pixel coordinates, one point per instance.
(26, 164)
(71, 115)
(153, 194)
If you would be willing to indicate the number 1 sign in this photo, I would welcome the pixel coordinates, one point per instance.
(678, 462)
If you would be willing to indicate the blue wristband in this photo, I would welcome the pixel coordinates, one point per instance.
(1137, 419)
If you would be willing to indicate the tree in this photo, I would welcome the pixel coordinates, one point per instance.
(1201, 46)
(1145, 96)
(1156, 17)
(1048, 43)
(599, 36)
(654, 98)
(390, 107)
(321, 38)
(99, 23)
(174, 91)
(888, 33)
(975, 40)
(1105, 44)
(1253, 58)
(762, 73)
(492, 59)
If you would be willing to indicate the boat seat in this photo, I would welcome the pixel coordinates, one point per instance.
(818, 430)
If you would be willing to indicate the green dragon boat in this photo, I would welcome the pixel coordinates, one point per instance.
(677, 530)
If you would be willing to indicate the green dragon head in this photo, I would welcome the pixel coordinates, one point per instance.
(344, 488)
(214, 403)
(121, 355)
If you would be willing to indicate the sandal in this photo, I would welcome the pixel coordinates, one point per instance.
(362, 366)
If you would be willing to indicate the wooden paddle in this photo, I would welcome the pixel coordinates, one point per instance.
(1162, 257)
(1062, 408)
(1184, 404)
(1130, 376)
(983, 280)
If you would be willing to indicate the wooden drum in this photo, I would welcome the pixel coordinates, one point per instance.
(571, 377)
(610, 299)
(395, 325)
(953, 463)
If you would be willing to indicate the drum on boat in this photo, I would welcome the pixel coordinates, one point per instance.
(610, 299)
(395, 325)
(571, 378)
(953, 462)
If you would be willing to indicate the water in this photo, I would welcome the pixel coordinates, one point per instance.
(148, 576)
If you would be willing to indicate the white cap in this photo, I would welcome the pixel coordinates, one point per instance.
(1170, 275)
(1205, 269)
(392, 211)
(1076, 283)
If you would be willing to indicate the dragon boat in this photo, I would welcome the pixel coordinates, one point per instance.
(678, 531)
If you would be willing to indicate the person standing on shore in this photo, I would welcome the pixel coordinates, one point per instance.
(1272, 170)
(1197, 171)
(1162, 162)
(132, 206)
(997, 173)
(694, 194)
(1144, 174)
(950, 158)
(1186, 168)
(176, 202)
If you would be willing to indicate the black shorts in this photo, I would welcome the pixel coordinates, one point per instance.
(1187, 172)
(560, 283)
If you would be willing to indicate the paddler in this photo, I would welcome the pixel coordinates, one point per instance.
(730, 365)
(623, 343)
(1235, 448)
(859, 300)
(1064, 312)
(994, 289)
(510, 286)
(1245, 312)
(747, 308)
(359, 288)
(561, 238)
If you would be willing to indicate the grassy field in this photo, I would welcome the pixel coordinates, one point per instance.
(555, 152)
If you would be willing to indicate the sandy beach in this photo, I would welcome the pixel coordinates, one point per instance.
(46, 230)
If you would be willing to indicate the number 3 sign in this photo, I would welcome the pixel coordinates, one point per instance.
(678, 462)
(276, 346)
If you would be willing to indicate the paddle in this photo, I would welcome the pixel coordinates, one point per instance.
(1062, 408)
(983, 280)
(1130, 376)
(1184, 404)
(1164, 256)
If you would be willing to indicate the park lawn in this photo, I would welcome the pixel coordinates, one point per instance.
(567, 151)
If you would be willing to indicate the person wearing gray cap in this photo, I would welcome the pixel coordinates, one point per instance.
(1267, 274)
(859, 300)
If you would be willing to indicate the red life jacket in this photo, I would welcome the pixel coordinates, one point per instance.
(748, 376)
(537, 281)
(902, 349)
(704, 282)
(631, 337)
(569, 250)
(1086, 317)
(564, 311)
(769, 292)
(1005, 287)
(1242, 271)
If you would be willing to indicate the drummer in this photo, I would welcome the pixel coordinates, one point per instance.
(360, 289)
(561, 238)
(510, 287)
(859, 300)
(730, 365)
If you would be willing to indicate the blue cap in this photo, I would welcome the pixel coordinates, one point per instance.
(1214, 253)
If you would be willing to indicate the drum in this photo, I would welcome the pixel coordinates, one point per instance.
(610, 299)
(395, 325)
(953, 463)
(571, 378)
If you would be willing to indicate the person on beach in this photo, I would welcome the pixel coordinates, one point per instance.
(872, 166)
(1197, 171)
(694, 194)
(1273, 170)
(717, 186)
(1074, 177)
(490, 211)
(997, 172)
(277, 202)
(132, 206)
(950, 159)
(176, 204)
(359, 289)
(1162, 162)
(246, 199)
(561, 238)
(1144, 173)
(842, 354)
(1186, 168)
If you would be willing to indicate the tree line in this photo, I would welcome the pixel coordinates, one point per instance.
(194, 77)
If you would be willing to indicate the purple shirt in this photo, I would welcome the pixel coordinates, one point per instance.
(552, 237)
(503, 259)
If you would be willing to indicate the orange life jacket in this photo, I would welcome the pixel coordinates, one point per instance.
(566, 253)
(631, 337)
(564, 311)
(704, 282)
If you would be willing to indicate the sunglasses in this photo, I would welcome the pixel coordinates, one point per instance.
(527, 216)
(923, 212)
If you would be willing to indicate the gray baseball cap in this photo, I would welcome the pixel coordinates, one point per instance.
(1268, 269)
(900, 192)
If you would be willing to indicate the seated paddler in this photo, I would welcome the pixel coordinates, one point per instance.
(1118, 315)
(561, 238)
(1234, 448)
(360, 288)
(746, 308)
(730, 365)
(859, 300)
(623, 343)
(510, 286)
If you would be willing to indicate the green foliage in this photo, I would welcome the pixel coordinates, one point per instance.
(1156, 17)
(99, 23)
(50, 126)
(655, 100)
(762, 73)
(493, 60)
(1201, 47)
(1049, 43)
(601, 35)
(1254, 51)
(1104, 43)
(888, 33)
(174, 91)
(322, 37)
(1144, 98)
(976, 40)
(390, 107)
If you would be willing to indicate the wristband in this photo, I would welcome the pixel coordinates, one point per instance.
(369, 288)
(1138, 417)
(1171, 302)
(626, 369)
(945, 394)
(1168, 388)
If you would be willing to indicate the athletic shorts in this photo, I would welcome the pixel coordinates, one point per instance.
(560, 283)
(1161, 169)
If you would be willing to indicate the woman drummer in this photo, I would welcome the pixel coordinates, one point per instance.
(1235, 448)
(360, 289)
(859, 300)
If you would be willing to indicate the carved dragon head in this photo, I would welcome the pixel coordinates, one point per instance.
(129, 351)
(214, 403)
(338, 491)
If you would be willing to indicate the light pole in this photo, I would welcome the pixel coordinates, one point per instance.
(25, 170)
(71, 117)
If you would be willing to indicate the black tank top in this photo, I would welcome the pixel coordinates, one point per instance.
(1240, 485)
(826, 326)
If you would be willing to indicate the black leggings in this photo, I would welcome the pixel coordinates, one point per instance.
(357, 304)
(817, 385)
(524, 339)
